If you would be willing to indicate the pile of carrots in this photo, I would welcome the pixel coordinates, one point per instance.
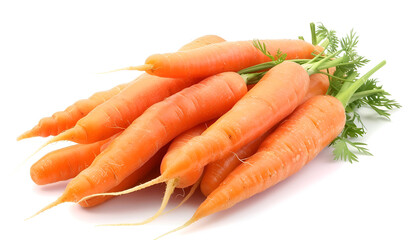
(231, 118)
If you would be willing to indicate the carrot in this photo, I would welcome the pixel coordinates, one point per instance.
(131, 180)
(66, 119)
(301, 136)
(220, 57)
(154, 128)
(65, 163)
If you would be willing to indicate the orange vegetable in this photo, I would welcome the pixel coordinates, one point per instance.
(220, 57)
(65, 163)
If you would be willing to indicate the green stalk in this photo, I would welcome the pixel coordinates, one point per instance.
(313, 34)
(366, 93)
(344, 95)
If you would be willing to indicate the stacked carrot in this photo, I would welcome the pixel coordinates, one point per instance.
(229, 117)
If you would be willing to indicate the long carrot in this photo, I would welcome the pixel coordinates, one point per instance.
(154, 128)
(66, 119)
(220, 57)
(301, 136)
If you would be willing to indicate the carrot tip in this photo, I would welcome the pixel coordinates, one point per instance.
(189, 222)
(51, 205)
(144, 67)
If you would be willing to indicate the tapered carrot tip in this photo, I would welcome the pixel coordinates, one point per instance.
(144, 67)
(170, 187)
(188, 223)
(51, 205)
(27, 134)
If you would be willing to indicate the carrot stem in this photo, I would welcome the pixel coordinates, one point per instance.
(344, 95)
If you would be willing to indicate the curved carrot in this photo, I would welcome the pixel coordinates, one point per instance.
(154, 128)
(220, 57)
(66, 119)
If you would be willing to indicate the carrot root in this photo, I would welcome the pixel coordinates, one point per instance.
(190, 193)
(170, 187)
(188, 223)
(152, 182)
(51, 205)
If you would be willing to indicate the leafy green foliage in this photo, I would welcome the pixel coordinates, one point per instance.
(278, 58)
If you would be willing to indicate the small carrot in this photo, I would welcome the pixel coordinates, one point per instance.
(301, 136)
(65, 163)
(66, 119)
(220, 57)
(157, 125)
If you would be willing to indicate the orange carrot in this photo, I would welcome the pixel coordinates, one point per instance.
(131, 180)
(66, 119)
(154, 128)
(220, 57)
(65, 163)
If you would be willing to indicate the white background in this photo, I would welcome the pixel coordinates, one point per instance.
(50, 52)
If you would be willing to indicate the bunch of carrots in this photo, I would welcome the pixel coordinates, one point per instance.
(229, 118)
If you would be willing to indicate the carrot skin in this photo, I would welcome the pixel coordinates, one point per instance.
(292, 145)
(130, 181)
(223, 57)
(158, 125)
(65, 163)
